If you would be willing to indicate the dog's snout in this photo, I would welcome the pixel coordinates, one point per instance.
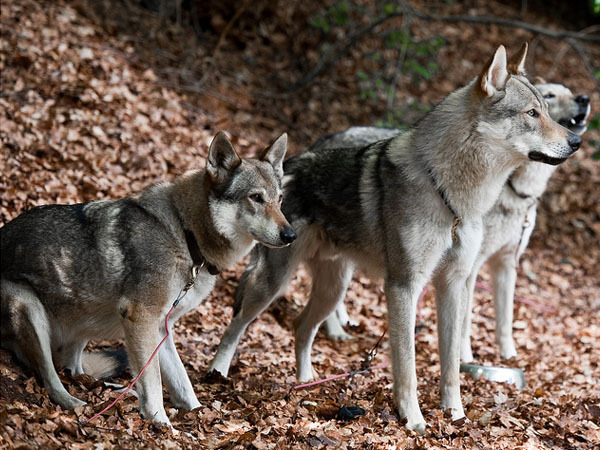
(287, 235)
(583, 100)
(574, 141)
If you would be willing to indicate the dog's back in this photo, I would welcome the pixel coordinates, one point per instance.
(81, 254)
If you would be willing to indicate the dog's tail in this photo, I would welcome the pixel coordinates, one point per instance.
(105, 363)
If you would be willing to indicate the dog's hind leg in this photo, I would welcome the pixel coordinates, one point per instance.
(30, 323)
(466, 352)
(330, 279)
(342, 314)
(264, 279)
(69, 355)
(504, 274)
(334, 324)
(176, 378)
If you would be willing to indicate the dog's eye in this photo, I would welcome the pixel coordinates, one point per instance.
(547, 96)
(280, 198)
(257, 198)
(533, 113)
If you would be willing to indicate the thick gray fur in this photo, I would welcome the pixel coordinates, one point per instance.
(381, 207)
(113, 268)
(507, 226)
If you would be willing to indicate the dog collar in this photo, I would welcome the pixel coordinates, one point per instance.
(444, 197)
(197, 257)
(517, 193)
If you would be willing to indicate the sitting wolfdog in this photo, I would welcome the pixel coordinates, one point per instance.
(507, 227)
(100, 270)
(404, 209)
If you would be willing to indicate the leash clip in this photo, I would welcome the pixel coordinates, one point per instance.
(195, 270)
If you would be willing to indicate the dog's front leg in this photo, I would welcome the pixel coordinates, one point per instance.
(141, 337)
(451, 302)
(402, 309)
(176, 378)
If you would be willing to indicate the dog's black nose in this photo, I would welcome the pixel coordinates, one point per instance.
(287, 235)
(583, 100)
(574, 141)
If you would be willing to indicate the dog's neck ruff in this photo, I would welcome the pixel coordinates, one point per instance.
(444, 197)
(197, 257)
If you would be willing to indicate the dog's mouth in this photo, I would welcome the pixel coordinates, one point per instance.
(267, 244)
(577, 124)
(541, 157)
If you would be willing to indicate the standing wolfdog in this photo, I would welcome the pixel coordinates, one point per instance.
(507, 226)
(404, 209)
(71, 273)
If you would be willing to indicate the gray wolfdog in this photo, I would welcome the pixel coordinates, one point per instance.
(507, 226)
(104, 269)
(404, 209)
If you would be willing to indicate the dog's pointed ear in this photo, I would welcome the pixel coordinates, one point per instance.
(275, 154)
(516, 63)
(494, 76)
(539, 80)
(222, 158)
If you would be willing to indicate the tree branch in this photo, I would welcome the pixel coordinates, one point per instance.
(556, 34)
(340, 49)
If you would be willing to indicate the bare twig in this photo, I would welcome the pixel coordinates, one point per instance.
(399, 64)
(211, 61)
(339, 50)
(583, 56)
(557, 60)
(557, 34)
(225, 31)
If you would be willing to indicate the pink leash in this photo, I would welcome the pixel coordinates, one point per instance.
(537, 305)
(365, 367)
(341, 375)
(135, 380)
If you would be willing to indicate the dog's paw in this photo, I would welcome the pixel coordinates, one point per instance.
(67, 401)
(188, 405)
(340, 335)
(219, 366)
(305, 375)
(457, 415)
(159, 417)
(418, 427)
(466, 354)
(508, 349)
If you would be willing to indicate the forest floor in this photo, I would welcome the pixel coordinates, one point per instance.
(100, 99)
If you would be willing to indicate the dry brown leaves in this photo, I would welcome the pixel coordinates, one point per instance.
(85, 115)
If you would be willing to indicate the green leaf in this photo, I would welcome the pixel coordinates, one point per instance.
(321, 23)
(594, 123)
